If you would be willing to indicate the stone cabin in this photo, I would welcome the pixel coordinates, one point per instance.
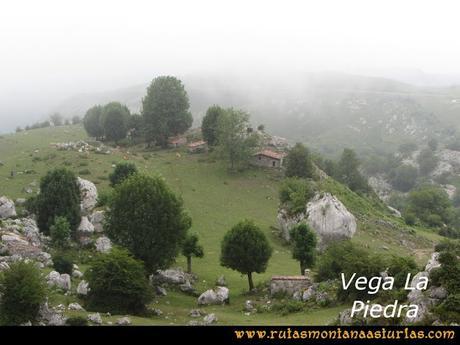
(268, 159)
(175, 142)
(289, 284)
(198, 147)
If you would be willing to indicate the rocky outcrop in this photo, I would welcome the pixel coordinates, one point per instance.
(50, 316)
(83, 288)
(171, 276)
(7, 208)
(425, 299)
(219, 295)
(380, 186)
(326, 215)
(88, 192)
(103, 244)
(20, 239)
(61, 281)
(95, 318)
(97, 219)
(85, 228)
(124, 321)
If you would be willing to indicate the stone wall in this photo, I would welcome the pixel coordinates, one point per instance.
(289, 284)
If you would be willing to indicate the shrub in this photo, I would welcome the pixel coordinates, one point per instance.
(60, 232)
(295, 193)
(118, 283)
(121, 172)
(63, 263)
(23, 291)
(59, 196)
(410, 218)
(346, 257)
(404, 178)
(104, 198)
(449, 309)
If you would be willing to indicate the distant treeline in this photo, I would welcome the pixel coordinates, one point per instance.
(55, 120)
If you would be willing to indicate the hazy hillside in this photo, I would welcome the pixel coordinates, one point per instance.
(325, 110)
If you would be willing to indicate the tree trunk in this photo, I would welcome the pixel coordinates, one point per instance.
(189, 264)
(251, 283)
(302, 269)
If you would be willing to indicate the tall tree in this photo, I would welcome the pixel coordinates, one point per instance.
(92, 122)
(190, 248)
(59, 197)
(115, 117)
(303, 246)
(210, 124)
(235, 144)
(298, 162)
(165, 109)
(146, 217)
(348, 172)
(246, 250)
(57, 119)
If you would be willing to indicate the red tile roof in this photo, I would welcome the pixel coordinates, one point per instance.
(289, 278)
(271, 154)
(196, 144)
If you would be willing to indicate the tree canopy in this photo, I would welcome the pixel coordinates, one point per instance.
(115, 117)
(148, 219)
(210, 124)
(303, 246)
(165, 109)
(298, 162)
(246, 250)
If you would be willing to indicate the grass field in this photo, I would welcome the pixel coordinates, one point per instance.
(216, 200)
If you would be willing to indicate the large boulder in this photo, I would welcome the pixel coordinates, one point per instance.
(61, 281)
(50, 317)
(171, 276)
(219, 295)
(103, 244)
(97, 219)
(7, 208)
(83, 288)
(88, 193)
(85, 228)
(326, 215)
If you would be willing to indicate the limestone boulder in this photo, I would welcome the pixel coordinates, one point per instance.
(7, 208)
(88, 193)
(219, 295)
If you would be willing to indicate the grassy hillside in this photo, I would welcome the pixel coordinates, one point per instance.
(216, 201)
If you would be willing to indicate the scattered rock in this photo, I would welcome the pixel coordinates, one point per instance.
(85, 227)
(49, 316)
(103, 244)
(124, 321)
(7, 208)
(77, 274)
(196, 313)
(75, 306)
(219, 295)
(88, 192)
(83, 288)
(95, 318)
(20, 201)
(61, 281)
(249, 306)
(171, 276)
(157, 312)
(221, 281)
(161, 291)
(187, 288)
(97, 219)
(210, 319)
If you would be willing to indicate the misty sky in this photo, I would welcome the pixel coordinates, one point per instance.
(50, 50)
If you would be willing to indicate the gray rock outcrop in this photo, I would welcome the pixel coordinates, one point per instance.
(88, 193)
(103, 244)
(219, 295)
(7, 208)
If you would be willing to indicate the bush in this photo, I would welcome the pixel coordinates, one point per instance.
(288, 307)
(60, 232)
(121, 172)
(76, 321)
(410, 218)
(346, 257)
(295, 193)
(59, 196)
(63, 263)
(118, 283)
(104, 198)
(23, 291)
(427, 161)
(449, 310)
(404, 178)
